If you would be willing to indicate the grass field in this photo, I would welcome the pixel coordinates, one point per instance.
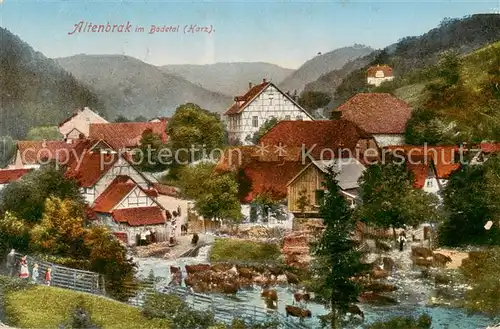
(48, 307)
(234, 250)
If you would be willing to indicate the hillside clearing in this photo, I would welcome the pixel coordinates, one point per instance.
(48, 307)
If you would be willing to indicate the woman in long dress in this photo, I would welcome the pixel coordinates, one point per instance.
(34, 273)
(23, 271)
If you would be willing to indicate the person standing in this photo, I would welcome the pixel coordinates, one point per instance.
(402, 240)
(48, 276)
(34, 273)
(23, 271)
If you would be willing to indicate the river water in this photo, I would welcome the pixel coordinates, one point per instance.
(413, 295)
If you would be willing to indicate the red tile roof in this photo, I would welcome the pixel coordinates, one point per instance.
(36, 152)
(441, 156)
(242, 101)
(490, 147)
(372, 71)
(75, 113)
(316, 136)
(114, 193)
(140, 216)
(269, 177)
(122, 135)
(377, 113)
(89, 167)
(10, 175)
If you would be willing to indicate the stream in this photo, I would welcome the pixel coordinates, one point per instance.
(413, 295)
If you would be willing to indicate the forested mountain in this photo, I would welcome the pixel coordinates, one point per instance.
(35, 90)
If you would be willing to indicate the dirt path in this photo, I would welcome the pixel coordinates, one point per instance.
(456, 257)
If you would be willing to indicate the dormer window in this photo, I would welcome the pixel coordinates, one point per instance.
(429, 183)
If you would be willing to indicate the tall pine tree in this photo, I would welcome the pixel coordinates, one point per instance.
(336, 259)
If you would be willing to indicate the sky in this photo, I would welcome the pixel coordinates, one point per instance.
(286, 33)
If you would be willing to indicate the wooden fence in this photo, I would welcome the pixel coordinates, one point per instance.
(64, 277)
(223, 309)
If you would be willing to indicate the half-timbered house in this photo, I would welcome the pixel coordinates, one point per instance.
(259, 104)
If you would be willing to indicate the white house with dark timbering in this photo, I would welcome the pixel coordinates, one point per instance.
(259, 104)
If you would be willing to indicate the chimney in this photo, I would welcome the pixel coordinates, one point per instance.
(264, 80)
(250, 85)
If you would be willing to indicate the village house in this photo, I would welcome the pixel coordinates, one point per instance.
(127, 135)
(11, 175)
(258, 105)
(379, 114)
(77, 125)
(378, 74)
(431, 165)
(320, 140)
(32, 154)
(478, 154)
(307, 185)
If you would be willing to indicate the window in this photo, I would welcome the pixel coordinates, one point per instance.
(320, 196)
(287, 117)
(271, 96)
(299, 117)
(429, 183)
(255, 122)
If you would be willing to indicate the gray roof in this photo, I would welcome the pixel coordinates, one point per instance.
(349, 171)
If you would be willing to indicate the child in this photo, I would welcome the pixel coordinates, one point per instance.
(34, 273)
(48, 276)
(24, 272)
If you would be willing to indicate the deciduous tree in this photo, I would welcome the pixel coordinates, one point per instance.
(7, 150)
(471, 199)
(194, 128)
(44, 133)
(313, 100)
(389, 200)
(151, 155)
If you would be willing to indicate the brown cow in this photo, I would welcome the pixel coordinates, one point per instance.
(355, 310)
(270, 294)
(190, 269)
(441, 259)
(421, 252)
(246, 273)
(297, 312)
(221, 267)
(379, 274)
(298, 297)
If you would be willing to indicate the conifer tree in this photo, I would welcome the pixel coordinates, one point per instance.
(336, 258)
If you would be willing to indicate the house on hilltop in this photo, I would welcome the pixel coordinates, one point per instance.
(378, 74)
(309, 183)
(259, 104)
(77, 125)
(379, 114)
(127, 135)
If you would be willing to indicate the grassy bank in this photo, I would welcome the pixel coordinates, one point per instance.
(48, 307)
(234, 250)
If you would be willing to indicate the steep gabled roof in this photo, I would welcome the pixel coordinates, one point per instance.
(76, 112)
(123, 135)
(113, 194)
(377, 113)
(241, 102)
(140, 216)
(386, 69)
(269, 178)
(89, 167)
(316, 136)
(420, 158)
(10, 175)
(34, 152)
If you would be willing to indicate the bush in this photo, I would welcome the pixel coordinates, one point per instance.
(404, 322)
(80, 318)
(233, 250)
(177, 312)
